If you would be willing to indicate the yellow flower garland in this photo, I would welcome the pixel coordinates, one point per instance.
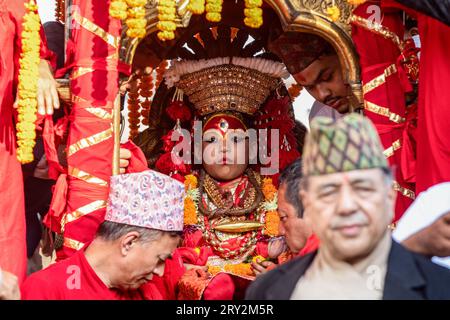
(214, 10)
(253, 13)
(28, 83)
(166, 16)
(118, 9)
(133, 12)
(196, 6)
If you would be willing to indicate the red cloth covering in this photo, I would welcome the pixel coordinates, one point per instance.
(73, 279)
(12, 209)
(433, 144)
(377, 53)
(90, 138)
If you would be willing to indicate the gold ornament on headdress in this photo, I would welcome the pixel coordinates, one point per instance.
(225, 84)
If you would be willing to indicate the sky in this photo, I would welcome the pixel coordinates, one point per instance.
(46, 10)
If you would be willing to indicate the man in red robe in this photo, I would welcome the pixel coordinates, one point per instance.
(143, 224)
(12, 214)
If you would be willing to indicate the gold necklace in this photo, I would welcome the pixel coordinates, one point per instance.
(225, 207)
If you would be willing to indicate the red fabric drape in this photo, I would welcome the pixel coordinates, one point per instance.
(376, 54)
(433, 140)
(90, 142)
(433, 144)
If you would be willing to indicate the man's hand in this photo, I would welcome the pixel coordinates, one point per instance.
(260, 268)
(433, 240)
(9, 287)
(47, 94)
(125, 156)
(48, 98)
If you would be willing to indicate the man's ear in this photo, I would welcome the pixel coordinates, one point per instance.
(128, 241)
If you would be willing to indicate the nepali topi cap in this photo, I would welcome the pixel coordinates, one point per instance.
(298, 50)
(146, 199)
(346, 144)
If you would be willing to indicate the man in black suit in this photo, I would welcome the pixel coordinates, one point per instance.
(349, 200)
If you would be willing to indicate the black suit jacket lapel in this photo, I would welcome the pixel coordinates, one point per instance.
(285, 284)
(403, 279)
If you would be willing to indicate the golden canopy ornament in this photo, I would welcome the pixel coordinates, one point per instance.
(306, 16)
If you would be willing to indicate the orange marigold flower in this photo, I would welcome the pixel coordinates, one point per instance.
(240, 269)
(272, 223)
(268, 189)
(190, 182)
(190, 212)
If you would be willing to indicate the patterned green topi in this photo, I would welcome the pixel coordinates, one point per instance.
(350, 143)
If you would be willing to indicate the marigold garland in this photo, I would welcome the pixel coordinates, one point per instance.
(196, 6)
(272, 223)
(253, 13)
(160, 71)
(272, 220)
(191, 182)
(191, 200)
(146, 91)
(133, 110)
(133, 12)
(268, 189)
(214, 10)
(166, 16)
(28, 83)
(190, 212)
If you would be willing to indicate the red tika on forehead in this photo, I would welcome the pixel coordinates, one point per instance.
(223, 123)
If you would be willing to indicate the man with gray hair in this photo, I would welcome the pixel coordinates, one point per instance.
(349, 200)
(143, 224)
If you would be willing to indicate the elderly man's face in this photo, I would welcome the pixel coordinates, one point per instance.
(144, 259)
(350, 212)
(323, 80)
(295, 230)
